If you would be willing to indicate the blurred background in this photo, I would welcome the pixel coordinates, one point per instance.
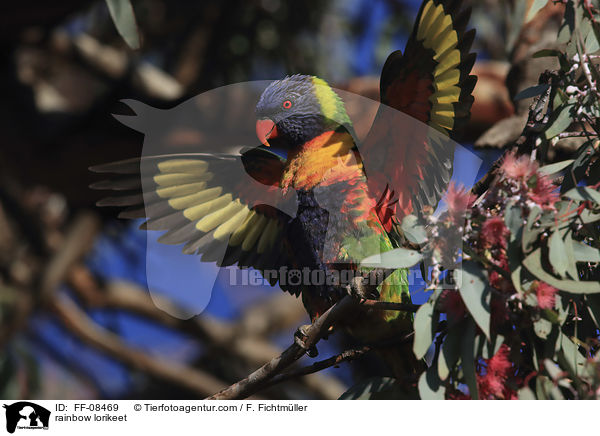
(76, 318)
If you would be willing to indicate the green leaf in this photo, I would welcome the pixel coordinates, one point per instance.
(552, 369)
(561, 123)
(413, 230)
(534, 9)
(531, 92)
(557, 254)
(449, 352)
(424, 328)
(589, 36)
(568, 26)
(546, 53)
(542, 328)
(583, 194)
(512, 218)
(533, 263)
(430, 386)
(588, 216)
(393, 259)
(583, 155)
(526, 394)
(585, 253)
(474, 290)
(555, 167)
(569, 356)
(376, 388)
(468, 360)
(121, 12)
(530, 233)
(570, 255)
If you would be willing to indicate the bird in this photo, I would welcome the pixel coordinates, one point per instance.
(307, 216)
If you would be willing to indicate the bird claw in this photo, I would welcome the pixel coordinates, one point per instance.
(300, 338)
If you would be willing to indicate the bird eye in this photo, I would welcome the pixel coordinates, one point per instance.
(287, 104)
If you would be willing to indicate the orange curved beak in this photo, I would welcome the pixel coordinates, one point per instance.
(265, 129)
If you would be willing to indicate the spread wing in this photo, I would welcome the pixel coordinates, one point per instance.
(226, 207)
(430, 83)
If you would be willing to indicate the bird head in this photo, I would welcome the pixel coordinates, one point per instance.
(298, 108)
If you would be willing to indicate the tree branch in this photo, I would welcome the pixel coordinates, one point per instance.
(345, 356)
(260, 378)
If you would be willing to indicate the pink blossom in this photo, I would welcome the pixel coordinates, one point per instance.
(518, 168)
(493, 384)
(544, 193)
(458, 200)
(494, 232)
(546, 295)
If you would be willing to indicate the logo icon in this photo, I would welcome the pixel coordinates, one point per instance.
(26, 415)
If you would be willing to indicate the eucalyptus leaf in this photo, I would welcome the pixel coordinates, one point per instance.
(570, 255)
(561, 122)
(585, 253)
(122, 14)
(474, 290)
(542, 328)
(546, 53)
(414, 231)
(533, 263)
(555, 167)
(430, 386)
(568, 26)
(530, 233)
(552, 369)
(583, 194)
(557, 254)
(468, 360)
(526, 394)
(424, 328)
(531, 92)
(393, 259)
(449, 352)
(569, 356)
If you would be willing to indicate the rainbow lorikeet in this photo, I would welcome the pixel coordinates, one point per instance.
(349, 198)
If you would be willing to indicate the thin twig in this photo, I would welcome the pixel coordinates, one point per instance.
(345, 356)
(582, 134)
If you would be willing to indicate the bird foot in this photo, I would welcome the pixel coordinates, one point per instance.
(300, 338)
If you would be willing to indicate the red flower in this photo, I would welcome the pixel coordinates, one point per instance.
(452, 304)
(458, 201)
(499, 281)
(544, 193)
(499, 362)
(546, 295)
(493, 384)
(494, 232)
(518, 168)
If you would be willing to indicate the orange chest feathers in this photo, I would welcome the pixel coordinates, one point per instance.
(327, 159)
